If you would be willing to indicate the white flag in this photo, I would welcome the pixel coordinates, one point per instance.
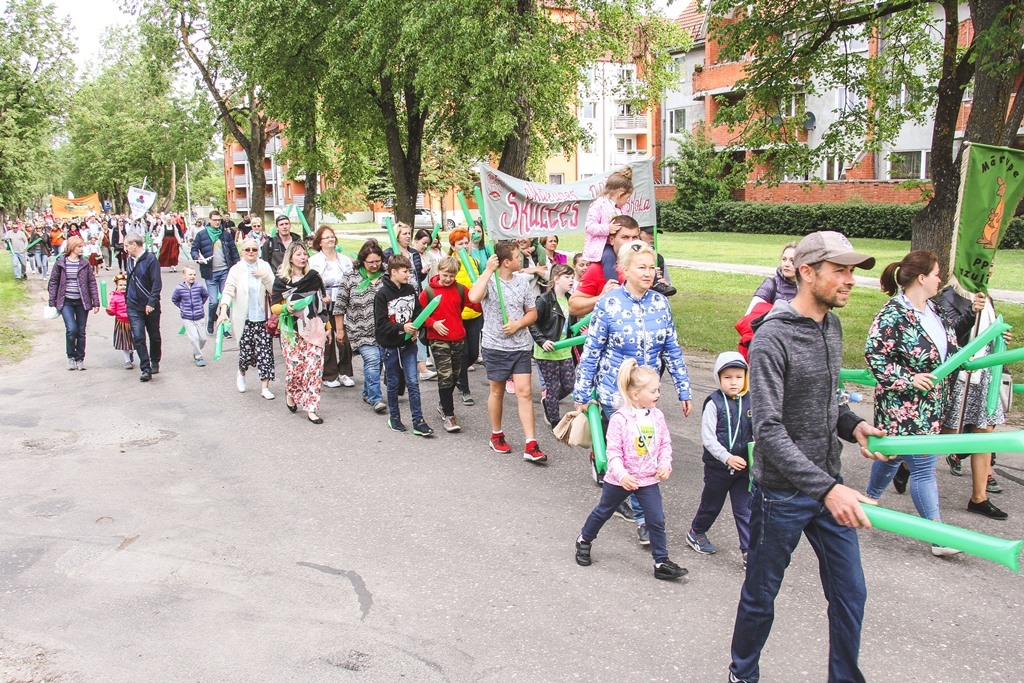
(140, 200)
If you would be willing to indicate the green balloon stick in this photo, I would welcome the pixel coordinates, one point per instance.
(953, 363)
(857, 377)
(34, 242)
(182, 330)
(1018, 388)
(750, 466)
(999, 550)
(994, 385)
(424, 314)
(479, 196)
(987, 442)
(993, 359)
(300, 304)
(218, 344)
(103, 293)
(597, 437)
(501, 299)
(433, 235)
(465, 209)
(467, 263)
(395, 249)
(581, 323)
(570, 342)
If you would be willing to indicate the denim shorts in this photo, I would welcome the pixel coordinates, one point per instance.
(501, 365)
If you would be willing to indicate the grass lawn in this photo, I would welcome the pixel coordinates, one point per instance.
(14, 340)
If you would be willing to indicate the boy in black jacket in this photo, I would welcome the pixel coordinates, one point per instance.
(394, 308)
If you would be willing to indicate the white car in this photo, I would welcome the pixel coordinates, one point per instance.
(425, 218)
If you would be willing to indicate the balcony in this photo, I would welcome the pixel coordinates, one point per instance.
(242, 204)
(629, 124)
(299, 200)
(241, 180)
(270, 174)
(239, 158)
(629, 157)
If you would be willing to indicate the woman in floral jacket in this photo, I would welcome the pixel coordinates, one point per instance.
(909, 338)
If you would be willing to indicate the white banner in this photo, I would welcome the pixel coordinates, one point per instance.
(140, 201)
(517, 208)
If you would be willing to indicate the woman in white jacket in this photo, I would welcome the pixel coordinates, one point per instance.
(245, 291)
(333, 268)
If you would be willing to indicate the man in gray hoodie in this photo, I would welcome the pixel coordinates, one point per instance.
(795, 358)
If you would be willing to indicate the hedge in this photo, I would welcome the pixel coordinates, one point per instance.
(879, 221)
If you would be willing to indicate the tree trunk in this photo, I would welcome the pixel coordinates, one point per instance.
(255, 151)
(312, 182)
(168, 203)
(404, 164)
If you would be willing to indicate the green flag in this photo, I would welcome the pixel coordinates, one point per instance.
(991, 186)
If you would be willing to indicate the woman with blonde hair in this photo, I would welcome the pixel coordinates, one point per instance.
(302, 343)
(246, 291)
(334, 268)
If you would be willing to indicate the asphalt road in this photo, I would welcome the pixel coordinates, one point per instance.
(181, 531)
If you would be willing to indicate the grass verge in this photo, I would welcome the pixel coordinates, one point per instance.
(15, 340)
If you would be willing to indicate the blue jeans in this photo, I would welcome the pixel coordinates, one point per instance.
(370, 353)
(75, 316)
(399, 360)
(20, 264)
(777, 519)
(923, 487)
(42, 263)
(215, 286)
(649, 497)
(143, 324)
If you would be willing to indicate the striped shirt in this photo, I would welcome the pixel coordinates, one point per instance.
(72, 290)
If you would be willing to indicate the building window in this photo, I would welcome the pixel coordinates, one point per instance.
(835, 169)
(909, 165)
(969, 92)
(680, 68)
(625, 145)
(676, 121)
(666, 176)
(846, 99)
(556, 178)
(625, 75)
(624, 109)
(794, 105)
(590, 110)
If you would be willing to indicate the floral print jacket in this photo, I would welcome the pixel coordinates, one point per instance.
(898, 348)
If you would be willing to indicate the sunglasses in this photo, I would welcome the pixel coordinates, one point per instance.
(250, 250)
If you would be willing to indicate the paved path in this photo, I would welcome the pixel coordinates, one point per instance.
(181, 531)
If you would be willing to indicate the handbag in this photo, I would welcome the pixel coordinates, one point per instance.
(561, 430)
(1006, 392)
(50, 313)
(579, 431)
(273, 320)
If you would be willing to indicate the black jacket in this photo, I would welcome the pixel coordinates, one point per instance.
(273, 250)
(550, 321)
(393, 306)
(144, 283)
(959, 309)
(202, 245)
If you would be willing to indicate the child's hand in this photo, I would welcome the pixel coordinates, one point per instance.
(662, 473)
(441, 328)
(510, 328)
(737, 463)
(548, 345)
(629, 482)
(409, 329)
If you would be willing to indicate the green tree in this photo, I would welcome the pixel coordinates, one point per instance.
(704, 175)
(36, 73)
(806, 47)
(484, 72)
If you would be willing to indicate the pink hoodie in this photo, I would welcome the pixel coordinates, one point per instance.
(622, 448)
(117, 307)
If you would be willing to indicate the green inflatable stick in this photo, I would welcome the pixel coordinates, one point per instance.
(467, 263)
(395, 249)
(218, 344)
(103, 293)
(1018, 388)
(999, 550)
(994, 385)
(424, 314)
(750, 466)
(953, 363)
(976, 442)
(480, 206)
(302, 219)
(433, 235)
(182, 330)
(300, 304)
(570, 342)
(863, 377)
(581, 323)
(465, 210)
(597, 437)
(501, 299)
(993, 359)
(34, 242)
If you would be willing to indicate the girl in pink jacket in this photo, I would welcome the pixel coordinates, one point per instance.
(617, 191)
(122, 329)
(639, 448)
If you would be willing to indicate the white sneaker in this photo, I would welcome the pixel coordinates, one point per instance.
(347, 381)
(943, 551)
(266, 394)
(333, 384)
(427, 376)
(240, 382)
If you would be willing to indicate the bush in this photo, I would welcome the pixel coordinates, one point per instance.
(882, 221)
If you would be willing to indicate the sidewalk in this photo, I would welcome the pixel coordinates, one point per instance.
(765, 271)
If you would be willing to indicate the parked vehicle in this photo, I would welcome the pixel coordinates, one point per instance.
(425, 218)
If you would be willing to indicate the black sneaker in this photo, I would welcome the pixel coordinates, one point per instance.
(395, 425)
(145, 377)
(986, 508)
(625, 511)
(582, 553)
(421, 428)
(899, 482)
(156, 369)
(662, 288)
(992, 486)
(669, 571)
(642, 535)
(955, 466)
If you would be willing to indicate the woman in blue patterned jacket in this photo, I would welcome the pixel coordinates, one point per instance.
(909, 338)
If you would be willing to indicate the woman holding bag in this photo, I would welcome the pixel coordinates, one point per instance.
(246, 287)
(302, 342)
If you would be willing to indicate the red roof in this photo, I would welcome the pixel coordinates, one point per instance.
(691, 20)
